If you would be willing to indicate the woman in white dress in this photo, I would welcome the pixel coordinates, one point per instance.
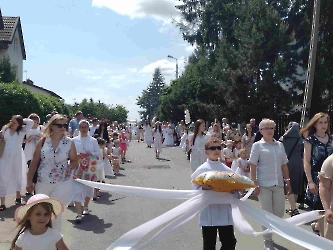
(157, 133)
(50, 160)
(196, 143)
(169, 140)
(84, 144)
(32, 138)
(13, 166)
(148, 136)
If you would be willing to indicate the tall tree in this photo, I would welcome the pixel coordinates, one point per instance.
(7, 72)
(149, 101)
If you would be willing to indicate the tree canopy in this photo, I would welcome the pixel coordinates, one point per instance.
(251, 59)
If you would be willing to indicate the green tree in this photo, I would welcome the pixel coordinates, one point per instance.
(7, 72)
(149, 101)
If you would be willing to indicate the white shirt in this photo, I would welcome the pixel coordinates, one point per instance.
(92, 130)
(45, 241)
(269, 160)
(216, 214)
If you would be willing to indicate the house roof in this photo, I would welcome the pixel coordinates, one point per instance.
(1, 22)
(31, 83)
(11, 24)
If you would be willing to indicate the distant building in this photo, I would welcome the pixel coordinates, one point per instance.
(12, 43)
(40, 90)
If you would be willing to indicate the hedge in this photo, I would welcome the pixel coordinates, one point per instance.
(16, 99)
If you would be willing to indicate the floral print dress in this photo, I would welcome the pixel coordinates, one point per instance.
(53, 167)
(319, 153)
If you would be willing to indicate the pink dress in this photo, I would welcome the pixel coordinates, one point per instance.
(123, 142)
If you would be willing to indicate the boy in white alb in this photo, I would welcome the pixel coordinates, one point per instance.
(217, 217)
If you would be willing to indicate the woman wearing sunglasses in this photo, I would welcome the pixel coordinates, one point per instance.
(50, 160)
(268, 162)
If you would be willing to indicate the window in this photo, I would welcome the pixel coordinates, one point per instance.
(16, 44)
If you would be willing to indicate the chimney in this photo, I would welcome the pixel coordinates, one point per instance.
(2, 26)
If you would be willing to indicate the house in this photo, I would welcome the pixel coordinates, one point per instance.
(12, 43)
(40, 90)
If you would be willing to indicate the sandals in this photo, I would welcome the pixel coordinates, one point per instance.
(2, 208)
(18, 201)
(292, 212)
(313, 226)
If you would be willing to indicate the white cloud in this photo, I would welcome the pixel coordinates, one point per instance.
(161, 10)
(167, 67)
(94, 77)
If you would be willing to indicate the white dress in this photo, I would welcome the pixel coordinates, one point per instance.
(148, 137)
(168, 137)
(84, 145)
(107, 165)
(30, 146)
(244, 164)
(234, 164)
(13, 166)
(198, 155)
(158, 141)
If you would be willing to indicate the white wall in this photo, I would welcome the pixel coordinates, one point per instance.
(37, 90)
(14, 53)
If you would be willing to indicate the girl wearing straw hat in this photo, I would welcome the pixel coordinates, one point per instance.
(35, 222)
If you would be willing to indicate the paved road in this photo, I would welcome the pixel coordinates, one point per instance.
(113, 214)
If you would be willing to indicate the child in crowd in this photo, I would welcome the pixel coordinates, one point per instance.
(235, 150)
(243, 166)
(106, 159)
(115, 153)
(100, 174)
(157, 134)
(123, 144)
(227, 154)
(35, 222)
(217, 217)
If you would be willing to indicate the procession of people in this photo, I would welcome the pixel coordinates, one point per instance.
(59, 151)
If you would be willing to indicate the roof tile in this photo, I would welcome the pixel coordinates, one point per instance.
(10, 24)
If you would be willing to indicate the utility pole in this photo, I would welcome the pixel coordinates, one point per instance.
(311, 64)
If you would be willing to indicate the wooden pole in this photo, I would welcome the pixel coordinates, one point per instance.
(311, 64)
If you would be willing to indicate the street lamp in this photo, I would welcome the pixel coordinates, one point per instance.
(176, 65)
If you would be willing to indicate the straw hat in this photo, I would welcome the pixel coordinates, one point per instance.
(20, 212)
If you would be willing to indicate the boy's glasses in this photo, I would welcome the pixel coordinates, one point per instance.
(213, 148)
(61, 125)
(267, 129)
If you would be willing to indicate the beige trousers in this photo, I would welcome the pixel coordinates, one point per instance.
(272, 200)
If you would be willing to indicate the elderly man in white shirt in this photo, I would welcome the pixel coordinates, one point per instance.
(268, 162)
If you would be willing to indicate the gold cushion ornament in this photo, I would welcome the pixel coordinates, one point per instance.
(224, 181)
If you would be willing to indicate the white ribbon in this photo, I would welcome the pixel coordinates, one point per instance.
(197, 200)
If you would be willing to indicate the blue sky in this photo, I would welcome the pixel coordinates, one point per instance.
(104, 49)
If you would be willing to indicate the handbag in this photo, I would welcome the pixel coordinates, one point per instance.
(2, 146)
(34, 179)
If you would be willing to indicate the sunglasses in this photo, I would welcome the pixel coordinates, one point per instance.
(61, 125)
(213, 148)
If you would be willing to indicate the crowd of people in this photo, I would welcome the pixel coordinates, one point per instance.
(297, 166)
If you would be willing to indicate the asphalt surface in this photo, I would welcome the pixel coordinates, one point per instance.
(112, 215)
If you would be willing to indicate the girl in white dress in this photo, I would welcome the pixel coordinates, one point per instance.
(148, 137)
(32, 138)
(196, 143)
(169, 141)
(157, 133)
(243, 166)
(36, 235)
(13, 166)
(116, 154)
(237, 146)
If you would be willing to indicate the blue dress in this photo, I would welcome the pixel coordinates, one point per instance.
(319, 153)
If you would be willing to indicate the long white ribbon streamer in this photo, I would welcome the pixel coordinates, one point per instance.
(197, 200)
